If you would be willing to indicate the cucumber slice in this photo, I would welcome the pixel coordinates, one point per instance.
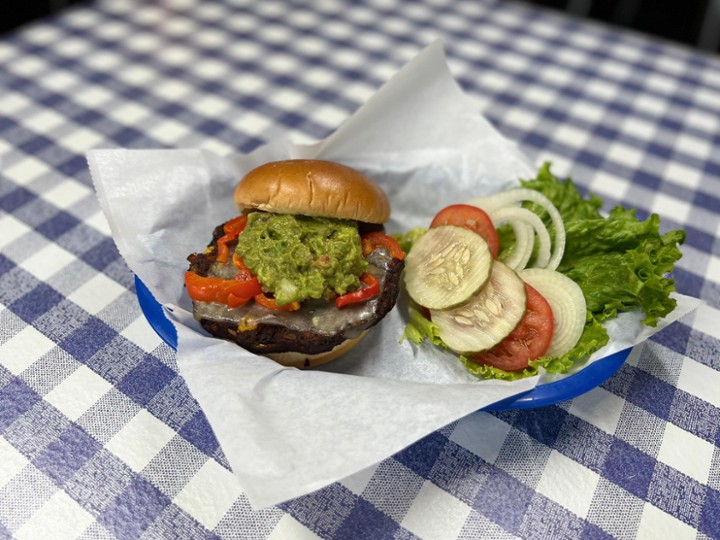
(488, 317)
(446, 266)
(567, 302)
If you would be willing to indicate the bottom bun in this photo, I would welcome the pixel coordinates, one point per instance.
(300, 360)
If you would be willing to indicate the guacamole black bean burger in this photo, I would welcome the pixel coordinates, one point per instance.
(305, 270)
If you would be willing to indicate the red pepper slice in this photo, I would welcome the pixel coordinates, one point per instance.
(243, 271)
(372, 288)
(270, 303)
(231, 229)
(372, 240)
(231, 292)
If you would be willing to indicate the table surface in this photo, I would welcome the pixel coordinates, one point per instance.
(100, 436)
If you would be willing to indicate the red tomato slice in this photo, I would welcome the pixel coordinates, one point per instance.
(528, 341)
(470, 217)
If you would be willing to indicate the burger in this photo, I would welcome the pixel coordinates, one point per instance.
(305, 269)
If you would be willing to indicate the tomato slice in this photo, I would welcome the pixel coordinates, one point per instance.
(270, 303)
(528, 341)
(372, 288)
(372, 240)
(231, 292)
(473, 218)
(231, 229)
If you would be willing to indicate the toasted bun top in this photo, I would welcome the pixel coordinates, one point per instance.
(313, 188)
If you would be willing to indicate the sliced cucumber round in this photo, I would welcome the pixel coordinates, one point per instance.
(446, 266)
(567, 302)
(486, 318)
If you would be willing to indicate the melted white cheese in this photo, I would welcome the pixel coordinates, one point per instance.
(314, 315)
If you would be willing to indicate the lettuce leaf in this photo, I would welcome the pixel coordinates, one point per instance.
(418, 329)
(619, 262)
(564, 195)
(622, 263)
(593, 338)
(406, 240)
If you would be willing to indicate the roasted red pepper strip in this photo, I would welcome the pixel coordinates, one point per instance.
(243, 271)
(374, 239)
(231, 229)
(270, 303)
(372, 288)
(231, 292)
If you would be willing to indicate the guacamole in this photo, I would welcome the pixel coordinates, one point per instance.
(301, 257)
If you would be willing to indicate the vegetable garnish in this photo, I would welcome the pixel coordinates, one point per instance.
(530, 339)
(371, 288)
(231, 292)
(502, 207)
(587, 267)
(370, 241)
(473, 218)
(270, 303)
(243, 270)
(487, 317)
(231, 229)
(446, 266)
(567, 303)
(620, 262)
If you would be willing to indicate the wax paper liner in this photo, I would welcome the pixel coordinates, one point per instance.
(287, 432)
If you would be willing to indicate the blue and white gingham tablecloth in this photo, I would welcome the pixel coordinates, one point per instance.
(99, 436)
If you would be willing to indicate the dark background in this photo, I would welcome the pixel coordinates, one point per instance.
(695, 23)
(14, 13)
(692, 22)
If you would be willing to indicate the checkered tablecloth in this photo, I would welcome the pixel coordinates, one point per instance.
(99, 436)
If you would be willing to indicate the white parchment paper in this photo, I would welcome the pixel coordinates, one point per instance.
(287, 432)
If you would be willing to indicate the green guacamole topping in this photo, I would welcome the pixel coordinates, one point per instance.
(301, 257)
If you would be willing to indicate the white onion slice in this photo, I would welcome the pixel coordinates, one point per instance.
(518, 195)
(567, 302)
(516, 216)
(524, 241)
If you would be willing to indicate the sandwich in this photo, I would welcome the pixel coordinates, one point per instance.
(305, 270)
